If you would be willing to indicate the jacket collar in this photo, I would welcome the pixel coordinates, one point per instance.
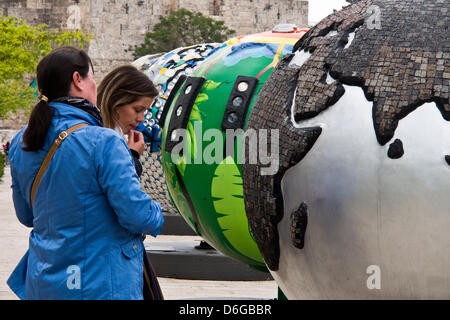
(66, 111)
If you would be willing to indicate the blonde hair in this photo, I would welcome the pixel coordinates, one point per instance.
(123, 85)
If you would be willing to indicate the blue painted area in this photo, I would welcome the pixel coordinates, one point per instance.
(245, 50)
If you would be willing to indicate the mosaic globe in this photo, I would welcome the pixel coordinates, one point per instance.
(201, 164)
(358, 205)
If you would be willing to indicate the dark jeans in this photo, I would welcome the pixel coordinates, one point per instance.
(152, 290)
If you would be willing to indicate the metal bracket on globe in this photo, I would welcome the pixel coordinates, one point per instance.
(238, 103)
(174, 91)
(182, 109)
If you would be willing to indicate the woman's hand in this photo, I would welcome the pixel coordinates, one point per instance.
(136, 141)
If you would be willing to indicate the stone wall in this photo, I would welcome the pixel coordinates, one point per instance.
(117, 25)
(60, 14)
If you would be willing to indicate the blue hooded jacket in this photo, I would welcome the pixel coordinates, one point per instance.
(88, 216)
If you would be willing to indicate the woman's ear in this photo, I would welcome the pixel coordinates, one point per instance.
(76, 81)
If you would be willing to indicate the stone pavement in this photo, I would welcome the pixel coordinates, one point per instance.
(13, 236)
(14, 243)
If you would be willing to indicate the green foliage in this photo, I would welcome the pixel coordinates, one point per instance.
(21, 48)
(182, 28)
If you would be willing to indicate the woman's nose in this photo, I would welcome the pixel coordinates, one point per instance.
(140, 117)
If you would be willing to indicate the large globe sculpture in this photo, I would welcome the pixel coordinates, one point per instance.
(358, 206)
(204, 176)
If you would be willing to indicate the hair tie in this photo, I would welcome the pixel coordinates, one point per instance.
(43, 98)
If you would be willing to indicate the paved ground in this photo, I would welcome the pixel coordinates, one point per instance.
(14, 243)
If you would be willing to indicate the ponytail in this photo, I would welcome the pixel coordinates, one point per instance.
(36, 132)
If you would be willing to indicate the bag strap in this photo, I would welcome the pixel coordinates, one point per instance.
(49, 157)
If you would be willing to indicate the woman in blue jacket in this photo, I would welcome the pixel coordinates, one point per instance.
(89, 212)
(124, 95)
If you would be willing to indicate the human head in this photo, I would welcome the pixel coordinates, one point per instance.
(64, 71)
(121, 88)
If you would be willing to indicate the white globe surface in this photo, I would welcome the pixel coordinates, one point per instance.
(377, 227)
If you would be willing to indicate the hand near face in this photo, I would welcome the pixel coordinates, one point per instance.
(136, 141)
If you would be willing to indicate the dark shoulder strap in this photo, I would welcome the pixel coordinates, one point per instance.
(49, 157)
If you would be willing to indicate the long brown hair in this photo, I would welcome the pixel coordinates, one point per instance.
(123, 85)
(54, 77)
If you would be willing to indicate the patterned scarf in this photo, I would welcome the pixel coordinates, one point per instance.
(82, 104)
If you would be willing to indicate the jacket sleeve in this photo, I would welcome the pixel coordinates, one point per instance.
(117, 176)
(23, 210)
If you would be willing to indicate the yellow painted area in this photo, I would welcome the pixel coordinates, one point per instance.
(276, 59)
(232, 41)
(270, 40)
(264, 39)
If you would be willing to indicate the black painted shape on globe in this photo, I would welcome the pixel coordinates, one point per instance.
(396, 149)
(299, 222)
